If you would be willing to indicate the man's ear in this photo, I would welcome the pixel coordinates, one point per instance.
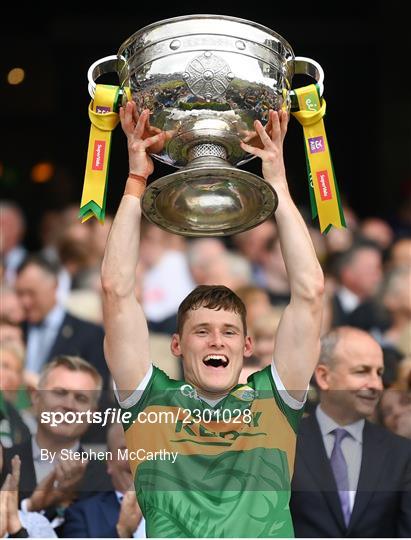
(34, 396)
(321, 375)
(175, 345)
(248, 347)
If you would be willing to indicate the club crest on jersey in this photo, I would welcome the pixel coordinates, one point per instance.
(245, 393)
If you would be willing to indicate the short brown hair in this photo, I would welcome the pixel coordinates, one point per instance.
(212, 297)
(73, 363)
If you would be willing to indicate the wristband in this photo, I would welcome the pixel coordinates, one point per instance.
(137, 186)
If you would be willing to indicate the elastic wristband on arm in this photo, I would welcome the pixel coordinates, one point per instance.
(136, 185)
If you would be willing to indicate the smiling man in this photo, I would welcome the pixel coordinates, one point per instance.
(235, 443)
(352, 478)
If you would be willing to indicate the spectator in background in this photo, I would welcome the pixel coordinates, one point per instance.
(12, 428)
(210, 262)
(203, 254)
(318, 240)
(256, 301)
(109, 514)
(263, 331)
(66, 384)
(49, 329)
(339, 240)
(253, 245)
(404, 374)
(10, 331)
(395, 411)
(53, 226)
(12, 231)
(162, 267)
(359, 274)
(352, 478)
(12, 381)
(400, 253)
(404, 341)
(396, 298)
(10, 306)
(11, 369)
(74, 254)
(50, 229)
(262, 248)
(277, 284)
(377, 230)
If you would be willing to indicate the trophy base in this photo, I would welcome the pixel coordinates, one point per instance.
(217, 200)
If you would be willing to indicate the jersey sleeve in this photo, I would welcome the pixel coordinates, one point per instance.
(267, 383)
(156, 389)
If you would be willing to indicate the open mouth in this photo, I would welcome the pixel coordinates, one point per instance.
(216, 361)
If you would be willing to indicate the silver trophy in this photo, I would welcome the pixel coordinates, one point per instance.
(206, 79)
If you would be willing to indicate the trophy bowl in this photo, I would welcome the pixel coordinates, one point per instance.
(205, 80)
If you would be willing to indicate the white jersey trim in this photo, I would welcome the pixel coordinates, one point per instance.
(134, 398)
(285, 396)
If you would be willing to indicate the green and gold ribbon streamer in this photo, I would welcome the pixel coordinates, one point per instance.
(324, 194)
(103, 119)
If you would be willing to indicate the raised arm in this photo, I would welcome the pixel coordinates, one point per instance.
(126, 342)
(297, 343)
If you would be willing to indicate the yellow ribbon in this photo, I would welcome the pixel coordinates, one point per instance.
(103, 121)
(323, 182)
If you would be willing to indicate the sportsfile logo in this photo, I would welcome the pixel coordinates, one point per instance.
(316, 144)
(98, 155)
(324, 185)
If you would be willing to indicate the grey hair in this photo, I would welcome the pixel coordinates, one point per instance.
(328, 344)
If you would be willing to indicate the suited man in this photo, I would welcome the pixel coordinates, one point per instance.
(352, 478)
(49, 329)
(49, 482)
(113, 513)
(359, 274)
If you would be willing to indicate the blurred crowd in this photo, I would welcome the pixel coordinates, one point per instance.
(51, 329)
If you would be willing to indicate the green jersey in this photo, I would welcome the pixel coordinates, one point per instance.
(220, 470)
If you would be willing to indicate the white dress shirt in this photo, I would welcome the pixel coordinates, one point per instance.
(41, 338)
(12, 261)
(351, 447)
(349, 301)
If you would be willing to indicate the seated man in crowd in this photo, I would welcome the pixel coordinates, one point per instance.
(49, 483)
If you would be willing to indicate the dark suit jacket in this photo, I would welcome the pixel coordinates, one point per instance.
(80, 338)
(382, 505)
(95, 478)
(368, 315)
(95, 517)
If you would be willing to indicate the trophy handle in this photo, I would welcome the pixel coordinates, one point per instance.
(108, 64)
(307, 66)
